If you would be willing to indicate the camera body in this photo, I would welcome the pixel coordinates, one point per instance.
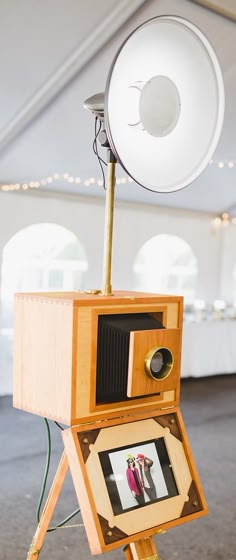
(81, 357)
(109, 368)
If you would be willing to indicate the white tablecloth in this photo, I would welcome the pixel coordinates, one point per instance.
(209, 348)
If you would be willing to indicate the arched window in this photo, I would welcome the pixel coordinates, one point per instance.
(41, 257)
(166, 264)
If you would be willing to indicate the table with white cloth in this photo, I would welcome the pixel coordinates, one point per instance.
(208, 348)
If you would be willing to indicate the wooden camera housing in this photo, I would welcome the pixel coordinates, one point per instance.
(81, 357)
(109, 367)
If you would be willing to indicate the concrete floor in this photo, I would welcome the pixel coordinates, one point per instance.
(209, 410)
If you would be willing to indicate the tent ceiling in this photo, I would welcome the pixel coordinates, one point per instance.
(57, 54)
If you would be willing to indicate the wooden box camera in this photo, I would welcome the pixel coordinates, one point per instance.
(80, 357)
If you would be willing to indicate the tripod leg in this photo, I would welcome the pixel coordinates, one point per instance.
(145, 549)
(49, 507)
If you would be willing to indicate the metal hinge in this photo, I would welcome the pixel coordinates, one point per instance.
(167, 407)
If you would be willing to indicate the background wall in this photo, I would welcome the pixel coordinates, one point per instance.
(134, 224)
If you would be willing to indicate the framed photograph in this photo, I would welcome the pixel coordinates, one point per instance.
(137, 475)
(133, 477)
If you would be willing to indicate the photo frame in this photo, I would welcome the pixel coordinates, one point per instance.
(138, 475)
(122, 502)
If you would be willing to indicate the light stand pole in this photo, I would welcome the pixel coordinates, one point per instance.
(108, 228)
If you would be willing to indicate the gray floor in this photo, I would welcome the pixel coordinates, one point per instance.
(209, 410)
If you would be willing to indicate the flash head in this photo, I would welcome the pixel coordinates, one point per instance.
(95, 104)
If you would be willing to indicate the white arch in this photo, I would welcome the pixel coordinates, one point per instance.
(166, 264)
(42, 256)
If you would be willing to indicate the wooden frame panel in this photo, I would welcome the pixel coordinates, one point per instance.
(89, 448)
(112, 311)
(55, 352)
(139, 383)
(86, 351)
(43, 341)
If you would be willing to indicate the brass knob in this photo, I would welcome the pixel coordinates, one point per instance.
(92, 292)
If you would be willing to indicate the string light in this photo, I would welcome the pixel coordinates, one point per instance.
(56, 177)
(216, 221)
(66, 177)
(223, 163)
(224, 220)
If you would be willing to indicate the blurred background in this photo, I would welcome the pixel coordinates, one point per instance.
(54, 55)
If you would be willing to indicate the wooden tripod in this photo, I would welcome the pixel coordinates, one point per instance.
(144, 549)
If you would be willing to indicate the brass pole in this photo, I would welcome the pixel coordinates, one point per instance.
(108, 229)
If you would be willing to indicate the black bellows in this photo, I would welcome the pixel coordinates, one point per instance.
(113, 353)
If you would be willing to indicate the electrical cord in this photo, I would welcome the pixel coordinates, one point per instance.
(45, 471)
(95, 149)
(95, 145)
(64, 521)
(96, 133)
(59, 426)
(48, 458)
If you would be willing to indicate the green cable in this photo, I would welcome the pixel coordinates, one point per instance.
(45, 482)
(64, 521)
(45, 472)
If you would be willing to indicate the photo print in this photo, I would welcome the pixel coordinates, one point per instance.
(138, 475)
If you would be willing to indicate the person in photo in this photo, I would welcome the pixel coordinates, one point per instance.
(145, 465)
(134, 481)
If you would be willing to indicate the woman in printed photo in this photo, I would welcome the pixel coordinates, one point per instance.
(134, 481)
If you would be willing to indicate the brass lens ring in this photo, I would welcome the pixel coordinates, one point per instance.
(159, 362)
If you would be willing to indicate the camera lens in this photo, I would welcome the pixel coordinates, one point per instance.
(159, 363)
(156, 363)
